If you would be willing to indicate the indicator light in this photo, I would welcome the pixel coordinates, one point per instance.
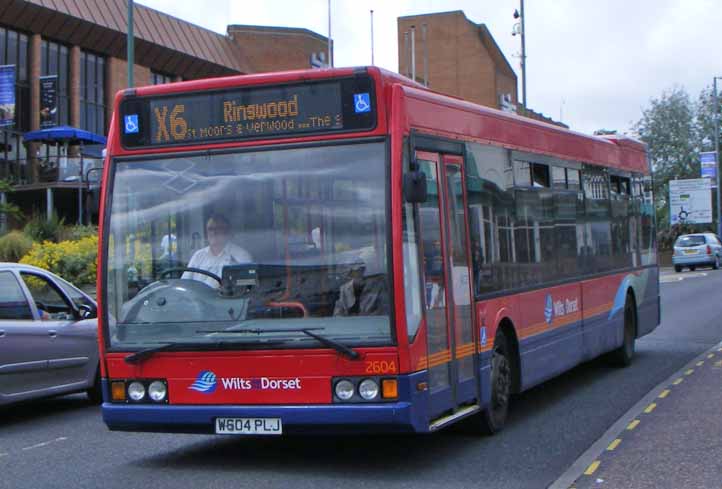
(389, 389)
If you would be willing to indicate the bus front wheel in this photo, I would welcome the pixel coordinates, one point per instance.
(622, 356)
(494, 416)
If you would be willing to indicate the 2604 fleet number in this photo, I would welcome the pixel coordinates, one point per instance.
(380, 367)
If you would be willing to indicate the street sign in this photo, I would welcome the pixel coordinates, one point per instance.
(708, 166)
(690, 201)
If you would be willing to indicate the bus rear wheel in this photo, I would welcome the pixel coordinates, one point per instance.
(493, 418)
(622, 356)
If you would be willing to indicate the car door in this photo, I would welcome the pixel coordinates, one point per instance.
(73, 349)
(23, 344)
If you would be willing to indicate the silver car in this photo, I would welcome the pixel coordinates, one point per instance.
(48, 336)
(693, 250)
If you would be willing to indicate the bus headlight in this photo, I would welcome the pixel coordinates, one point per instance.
(344, 390)
(368, 389)
(136, 391)
(157, 391)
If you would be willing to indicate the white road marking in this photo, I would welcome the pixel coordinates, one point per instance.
(45, 443)
(678, 277)
(4, 455)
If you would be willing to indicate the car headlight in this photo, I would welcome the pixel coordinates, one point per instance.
(157, 391)
(344, 390)
(136, 391)
(368, 389)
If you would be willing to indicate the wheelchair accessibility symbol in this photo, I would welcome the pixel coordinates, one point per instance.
(131, 124)
(361, 102)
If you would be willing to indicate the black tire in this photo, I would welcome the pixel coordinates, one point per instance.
(95, 393)
(623, 356)
(692, 268)
(677, 268)
(493, 418)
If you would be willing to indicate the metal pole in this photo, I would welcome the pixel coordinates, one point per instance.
(523, 57)
(406, 53)
(48, 204)
(426, 55)
(372, 37)
(330, 59)
(715, 101)
(131, 44)
(413, 53)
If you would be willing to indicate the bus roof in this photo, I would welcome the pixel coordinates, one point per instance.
(435, 113)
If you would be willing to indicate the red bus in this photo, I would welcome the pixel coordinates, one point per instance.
(344, 250)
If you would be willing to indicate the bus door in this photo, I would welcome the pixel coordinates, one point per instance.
(451, 346)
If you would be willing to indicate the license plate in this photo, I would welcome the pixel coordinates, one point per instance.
(249, 426)
(690, 252)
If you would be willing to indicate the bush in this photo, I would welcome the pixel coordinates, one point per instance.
(14, 246)
(40, 229)
(667, 237)
(76, 232)
(75, 261)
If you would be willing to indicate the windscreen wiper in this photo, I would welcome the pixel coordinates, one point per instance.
(339, 347)
(141, 355)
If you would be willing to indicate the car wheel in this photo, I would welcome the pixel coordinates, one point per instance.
(493, 418)
(95, 393)
(692, 268)
(677, 268)
(622, 356)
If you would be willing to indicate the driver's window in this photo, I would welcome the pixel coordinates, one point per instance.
(51, 305)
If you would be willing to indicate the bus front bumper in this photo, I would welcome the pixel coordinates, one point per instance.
(395, 417)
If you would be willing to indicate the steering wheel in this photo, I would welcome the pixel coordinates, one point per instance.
(193, 270)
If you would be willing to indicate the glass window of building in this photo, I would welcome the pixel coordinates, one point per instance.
(160, 78)
(92, 96)
(14, 51)
(55, 60)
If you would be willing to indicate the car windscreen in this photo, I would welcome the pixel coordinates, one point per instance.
(687, 241)
(259, 240)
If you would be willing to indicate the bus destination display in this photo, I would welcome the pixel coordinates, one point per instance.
(246, 113)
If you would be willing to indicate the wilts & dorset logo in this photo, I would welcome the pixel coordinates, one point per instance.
(205, 382)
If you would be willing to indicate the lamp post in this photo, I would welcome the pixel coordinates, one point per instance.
(715, 101)
(519, 29)
(130, 43)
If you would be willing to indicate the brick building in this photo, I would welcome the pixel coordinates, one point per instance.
(84, 44)
(462, 60)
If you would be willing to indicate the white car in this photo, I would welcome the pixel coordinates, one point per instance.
(693, 250)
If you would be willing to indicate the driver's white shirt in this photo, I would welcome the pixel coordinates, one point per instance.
(204, 259)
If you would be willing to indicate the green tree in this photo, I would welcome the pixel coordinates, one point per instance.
(6, 209)
(670, 128)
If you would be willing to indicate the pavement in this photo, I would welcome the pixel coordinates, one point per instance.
(671, 439)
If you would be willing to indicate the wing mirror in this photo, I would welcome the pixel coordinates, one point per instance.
(87, 312)
(415, 191)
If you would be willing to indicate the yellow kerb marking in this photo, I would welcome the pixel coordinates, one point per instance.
(614, 444)
(633, 424)
(592, 468)
(689, 372)
(650, 408)
(664, 393)
(678, 381)
(699, 364)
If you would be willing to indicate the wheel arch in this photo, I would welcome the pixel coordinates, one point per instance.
(633, 295)
(506, 326)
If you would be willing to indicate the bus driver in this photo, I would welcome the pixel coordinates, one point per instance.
(219, 252)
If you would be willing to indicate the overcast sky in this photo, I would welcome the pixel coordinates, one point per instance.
(595, 63)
